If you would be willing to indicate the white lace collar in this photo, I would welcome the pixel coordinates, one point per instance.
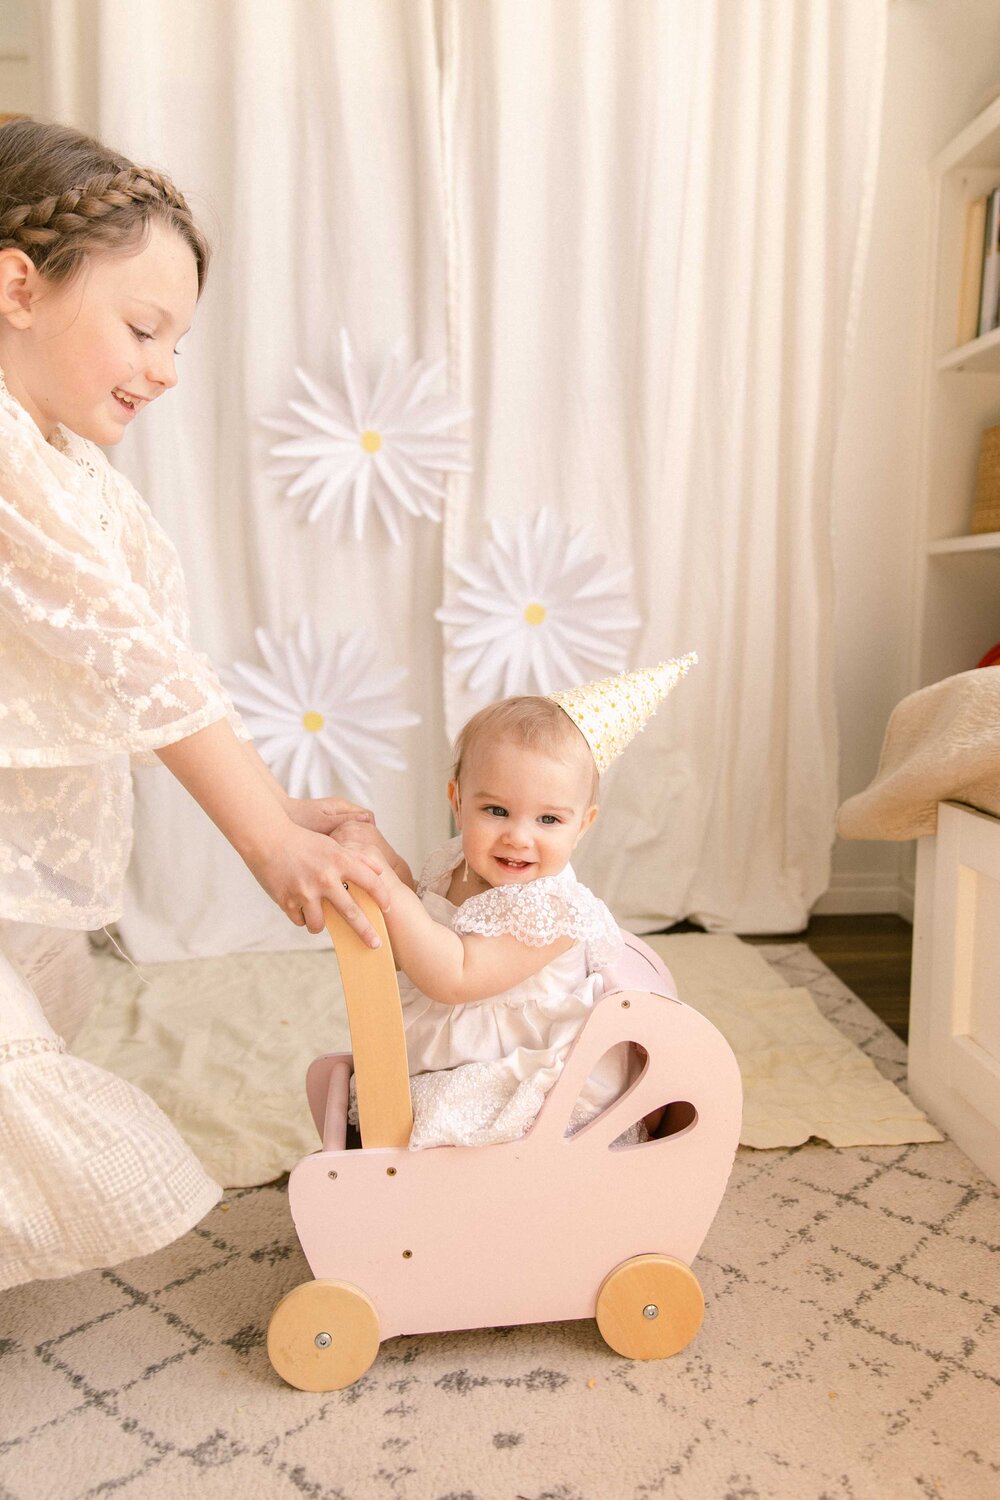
(73, 462)
(80, 451)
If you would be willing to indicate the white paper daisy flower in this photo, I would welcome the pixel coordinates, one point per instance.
(542, 612)
(381, 449)
(317, 714)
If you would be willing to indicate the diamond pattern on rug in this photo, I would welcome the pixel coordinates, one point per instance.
(850, 1351)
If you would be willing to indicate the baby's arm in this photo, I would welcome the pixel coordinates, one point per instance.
(298, 867)
(455, 968)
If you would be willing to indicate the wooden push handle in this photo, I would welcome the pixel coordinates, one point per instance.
(375, 1014)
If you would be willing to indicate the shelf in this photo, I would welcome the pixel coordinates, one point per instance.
(983, 541)
(980, 357)
(956, 618)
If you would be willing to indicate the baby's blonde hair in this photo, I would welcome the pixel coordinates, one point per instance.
(537, 723)
(64, 196)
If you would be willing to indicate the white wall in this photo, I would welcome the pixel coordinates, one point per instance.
(943, 65)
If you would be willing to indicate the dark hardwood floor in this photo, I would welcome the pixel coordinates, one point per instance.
(870, 953)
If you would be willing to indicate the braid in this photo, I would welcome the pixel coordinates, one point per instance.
(63, 195)
(78, 209)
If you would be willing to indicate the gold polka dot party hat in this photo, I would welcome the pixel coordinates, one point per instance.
(611, 712)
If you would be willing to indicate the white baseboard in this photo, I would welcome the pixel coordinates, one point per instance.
(850, 894)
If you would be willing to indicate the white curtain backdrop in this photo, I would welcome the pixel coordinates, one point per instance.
(638, 233)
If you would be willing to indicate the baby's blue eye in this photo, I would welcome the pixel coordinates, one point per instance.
(549, 818)
(498, 812)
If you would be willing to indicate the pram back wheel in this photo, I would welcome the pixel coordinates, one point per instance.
(649, 1307)
(323, 1335)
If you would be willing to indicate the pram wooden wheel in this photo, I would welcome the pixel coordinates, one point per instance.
(649, 1307)
(323, 1335)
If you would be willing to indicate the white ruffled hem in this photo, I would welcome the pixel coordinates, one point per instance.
(479, 1104)
(92, 1173)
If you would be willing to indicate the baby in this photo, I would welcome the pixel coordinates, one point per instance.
(502, 948)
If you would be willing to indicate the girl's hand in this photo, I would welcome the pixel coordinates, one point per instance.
(306, 868)
(325, 814)
(299, 866)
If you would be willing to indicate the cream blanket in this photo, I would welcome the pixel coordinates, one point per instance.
(222, 1045)
(942, 744)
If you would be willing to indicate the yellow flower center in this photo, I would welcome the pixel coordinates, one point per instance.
(534, 614)
(371, 441)
(312, 721)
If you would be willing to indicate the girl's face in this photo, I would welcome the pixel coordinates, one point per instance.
(92, 353)
(521, 812)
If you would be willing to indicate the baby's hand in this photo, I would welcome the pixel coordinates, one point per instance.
(364, 851)
(326, 814)
(365, 836)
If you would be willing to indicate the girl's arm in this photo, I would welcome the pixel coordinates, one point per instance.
(353, 823)
(298, 867)
(321, 814)
(454, 968)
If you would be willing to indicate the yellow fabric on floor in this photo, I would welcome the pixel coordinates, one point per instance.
(801, 1076)
(223, 1044)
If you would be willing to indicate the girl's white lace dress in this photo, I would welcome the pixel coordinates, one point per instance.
(96, 668)
(480, 1072)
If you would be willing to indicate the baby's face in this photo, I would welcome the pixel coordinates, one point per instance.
(521, 812)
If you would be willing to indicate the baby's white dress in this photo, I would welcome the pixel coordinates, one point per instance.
(96, 669)
(480, 1071)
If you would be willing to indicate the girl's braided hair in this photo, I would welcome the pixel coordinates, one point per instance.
(63, 196)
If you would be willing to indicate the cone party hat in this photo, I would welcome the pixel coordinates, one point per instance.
(611, 712)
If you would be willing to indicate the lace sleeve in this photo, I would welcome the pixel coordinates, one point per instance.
(541, 912)
(439, 864)
(95, 655)
(163, 579)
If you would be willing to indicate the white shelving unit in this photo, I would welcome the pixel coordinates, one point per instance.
(958, 594)
(955, 998)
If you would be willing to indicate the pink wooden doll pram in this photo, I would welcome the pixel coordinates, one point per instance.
(540, 1229)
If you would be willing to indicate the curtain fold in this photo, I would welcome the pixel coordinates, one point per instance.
(660, 230)
(307, 138)
(637, 234)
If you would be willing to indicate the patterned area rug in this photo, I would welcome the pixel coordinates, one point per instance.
(850, 1351)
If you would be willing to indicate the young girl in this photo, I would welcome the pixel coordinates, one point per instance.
(101, 267)
(500, 945)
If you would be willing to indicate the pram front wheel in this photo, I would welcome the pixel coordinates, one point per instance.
(323, 1335)
(649, 1307)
